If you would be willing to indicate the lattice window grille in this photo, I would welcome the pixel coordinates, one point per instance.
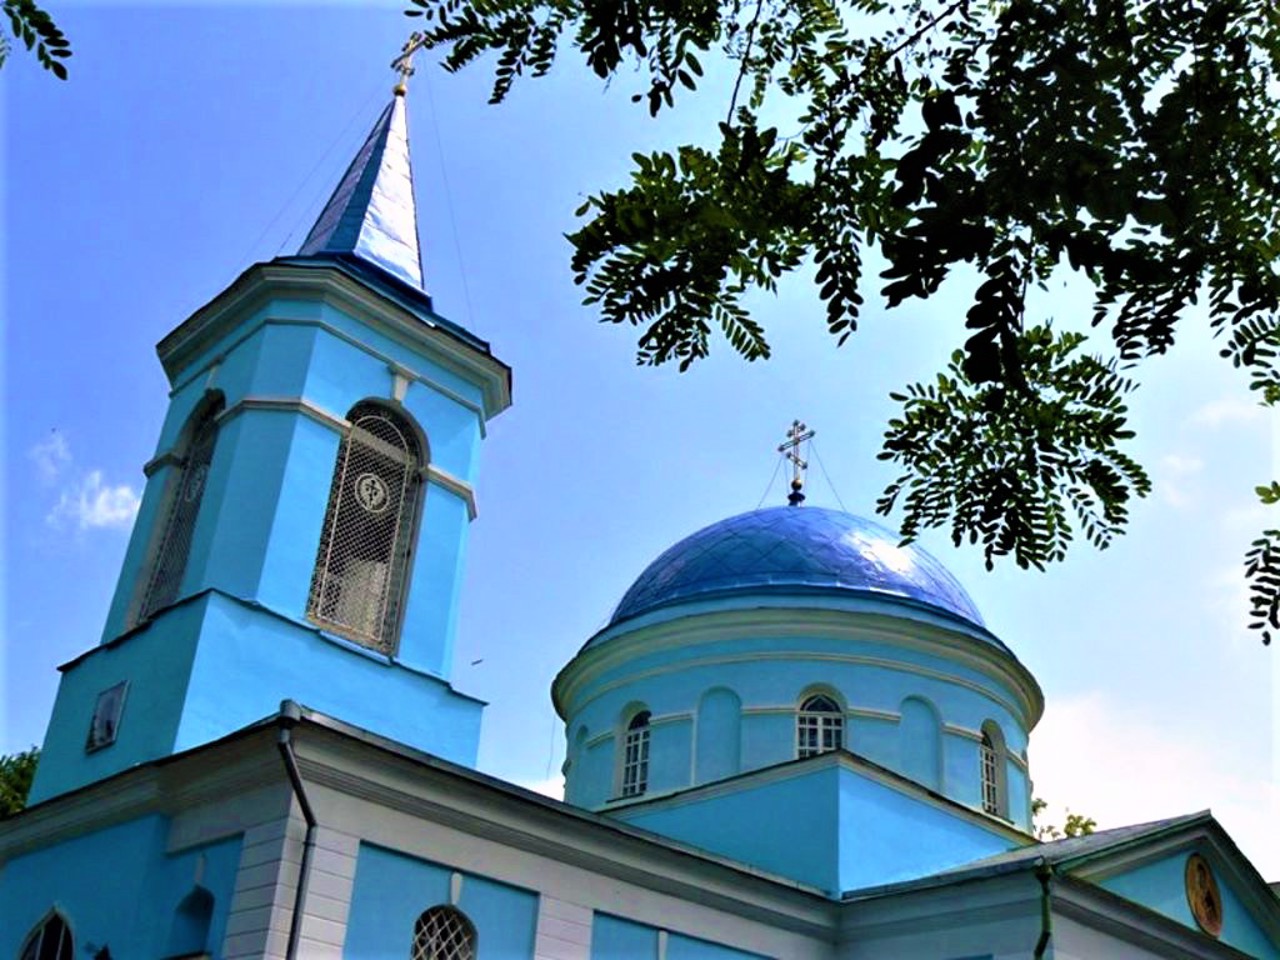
(361, 572)
(990, 776)
(819, 727)
(51, 941)
(443, 933)
(635, 756)
(175, 547)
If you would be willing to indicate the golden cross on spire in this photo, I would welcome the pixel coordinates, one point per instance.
(403, 64)
(797, 435)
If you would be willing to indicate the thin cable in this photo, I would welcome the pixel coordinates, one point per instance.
(823, 467)
(448, 198)
(362, 110)
(776, 468)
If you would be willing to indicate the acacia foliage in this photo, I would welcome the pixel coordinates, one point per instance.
(1134, 142)
(38, 33)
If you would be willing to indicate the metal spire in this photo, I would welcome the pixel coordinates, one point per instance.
(797, 435)
(372, 212)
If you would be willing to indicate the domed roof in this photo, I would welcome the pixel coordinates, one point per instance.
(805, 548)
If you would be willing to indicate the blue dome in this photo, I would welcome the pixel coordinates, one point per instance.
(808, 548)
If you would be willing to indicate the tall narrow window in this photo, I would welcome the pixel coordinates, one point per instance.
(819, 726)
(991, 767)
(443, 933)
(362, 570)
(635, 756)
(188, 492)
(49, 941)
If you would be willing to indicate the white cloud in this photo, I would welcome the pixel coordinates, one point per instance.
(51, 456)
(1174, 469)
(1227, 410)
(1120, 767)
(552, 787)
(91, 504)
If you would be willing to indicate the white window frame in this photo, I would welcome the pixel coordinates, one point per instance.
(635, 755)
(991, 771)
(819, 725)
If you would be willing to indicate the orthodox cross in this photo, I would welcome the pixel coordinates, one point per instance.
(790, 449)
(403, 64)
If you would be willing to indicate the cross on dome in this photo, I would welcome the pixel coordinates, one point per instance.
(790, 448)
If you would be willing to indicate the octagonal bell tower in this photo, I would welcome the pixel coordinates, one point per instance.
(304, 524)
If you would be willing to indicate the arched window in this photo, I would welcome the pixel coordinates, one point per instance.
(362, 570)
(443, 933)
(819, 726)
(635, 756)
(995, 797)
(170, 561)
(51, 940)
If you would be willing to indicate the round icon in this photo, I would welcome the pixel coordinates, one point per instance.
(1203, 896)
(371, 491)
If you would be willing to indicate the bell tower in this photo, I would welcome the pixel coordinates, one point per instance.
(304, 524)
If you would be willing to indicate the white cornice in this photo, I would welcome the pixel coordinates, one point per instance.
(264, 282)
(794, 621)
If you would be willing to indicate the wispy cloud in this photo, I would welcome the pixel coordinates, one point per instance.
(51, 457)
(85, 500)
(91, 504)
(1120, 767)
(1227, 410)
(1174, 471)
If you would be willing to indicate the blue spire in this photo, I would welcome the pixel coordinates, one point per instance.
(372, 213)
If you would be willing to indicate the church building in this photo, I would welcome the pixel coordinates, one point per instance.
(793, 738)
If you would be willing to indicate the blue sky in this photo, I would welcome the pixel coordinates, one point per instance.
(192, 141)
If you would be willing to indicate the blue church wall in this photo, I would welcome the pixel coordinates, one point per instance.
(131, 902)
(613, 938)
(1161, 886)
(289, 555)
(431, 613)
(729, 824)
(887, 837)
(156, 663)
(920, 742)
(249, 661)
(769, 676)
(718, 751)
(391, 890)
(212, 665)
(844, 830)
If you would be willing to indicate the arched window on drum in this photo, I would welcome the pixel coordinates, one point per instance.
(361, 576)
(819, 725)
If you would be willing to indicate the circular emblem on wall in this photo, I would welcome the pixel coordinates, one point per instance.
(196, 482)
(371, 491)
(1203, 896)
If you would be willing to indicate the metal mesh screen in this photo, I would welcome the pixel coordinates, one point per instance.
(359, 581)
(443, 933)
(819, 727)
(171, 558)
